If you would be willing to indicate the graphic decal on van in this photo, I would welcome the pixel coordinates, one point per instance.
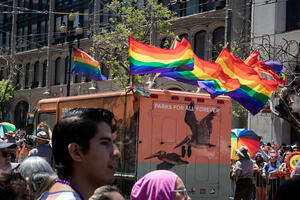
(201, 130)
(169, 159)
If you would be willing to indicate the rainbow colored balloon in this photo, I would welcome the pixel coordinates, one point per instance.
(292, 160)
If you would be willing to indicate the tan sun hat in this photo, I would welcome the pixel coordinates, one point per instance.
(243, 151)
(42, 135)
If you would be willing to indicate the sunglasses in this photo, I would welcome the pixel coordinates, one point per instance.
(5, 154)
(183, 192)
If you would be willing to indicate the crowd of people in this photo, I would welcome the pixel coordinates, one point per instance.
(77, 163)
(260, 177)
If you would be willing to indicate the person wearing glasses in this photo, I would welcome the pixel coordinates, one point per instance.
(160, 185)
(84, 152)
(6, 155)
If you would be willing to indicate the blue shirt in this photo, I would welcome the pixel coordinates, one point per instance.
(269, 167)
(44, 151)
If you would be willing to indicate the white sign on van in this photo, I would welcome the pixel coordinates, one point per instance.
(180, 107)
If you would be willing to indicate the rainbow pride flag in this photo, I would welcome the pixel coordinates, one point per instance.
(85, 65)
(207, 75)
(150, 59)
(30, 116)
(254, 91)
(277, 68)
(271, 68)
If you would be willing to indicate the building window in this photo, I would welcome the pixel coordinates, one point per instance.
(57, 71)
(44, 73)
(36, 69)
(218, 42)
(105, 14)
(199, 44)
(77, 79)
(85, 23)
(190, 7)
(27, 68)
(66, 69)
(292, 15)
(33, 36)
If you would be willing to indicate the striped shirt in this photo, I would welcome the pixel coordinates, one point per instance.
(60, 195)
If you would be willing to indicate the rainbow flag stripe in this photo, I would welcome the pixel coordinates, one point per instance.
(254, 91)
(86, 66)
(270, 68)
(150, 59)
(207, 75)
(277, 68)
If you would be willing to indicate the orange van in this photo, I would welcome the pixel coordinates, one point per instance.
(188, 133)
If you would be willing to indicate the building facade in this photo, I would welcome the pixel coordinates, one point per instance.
(278, 24)
(30, 32)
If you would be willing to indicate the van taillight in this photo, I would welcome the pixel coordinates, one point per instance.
(174, 97)
(155, 96)
(187, 98)
(220, 102)
(200, 100)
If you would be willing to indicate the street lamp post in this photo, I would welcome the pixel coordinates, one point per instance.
(68, 32)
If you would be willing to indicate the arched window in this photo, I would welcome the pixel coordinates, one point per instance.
(57, 71)
(165, 43)
(44, 73)
(199, 44)
(27, 75)
(20, 114)
(218, 41)
(36, 69)
(66, 69)
(185, 35)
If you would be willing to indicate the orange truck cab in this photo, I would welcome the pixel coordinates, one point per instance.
(188, 133)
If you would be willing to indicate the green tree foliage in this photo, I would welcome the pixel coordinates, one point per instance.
(129, 18)
(6, 94)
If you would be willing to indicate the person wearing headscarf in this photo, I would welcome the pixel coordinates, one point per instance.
(159, 185)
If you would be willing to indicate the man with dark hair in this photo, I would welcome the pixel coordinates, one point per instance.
(84, 152)
(107, 192)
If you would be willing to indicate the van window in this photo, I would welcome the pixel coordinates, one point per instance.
(48, 117)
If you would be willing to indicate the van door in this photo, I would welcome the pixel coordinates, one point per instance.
(196, 164)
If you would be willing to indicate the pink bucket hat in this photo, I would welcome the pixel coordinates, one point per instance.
(274, 155)
(156, 185)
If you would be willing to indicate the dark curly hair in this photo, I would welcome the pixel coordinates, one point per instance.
(12, 185)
